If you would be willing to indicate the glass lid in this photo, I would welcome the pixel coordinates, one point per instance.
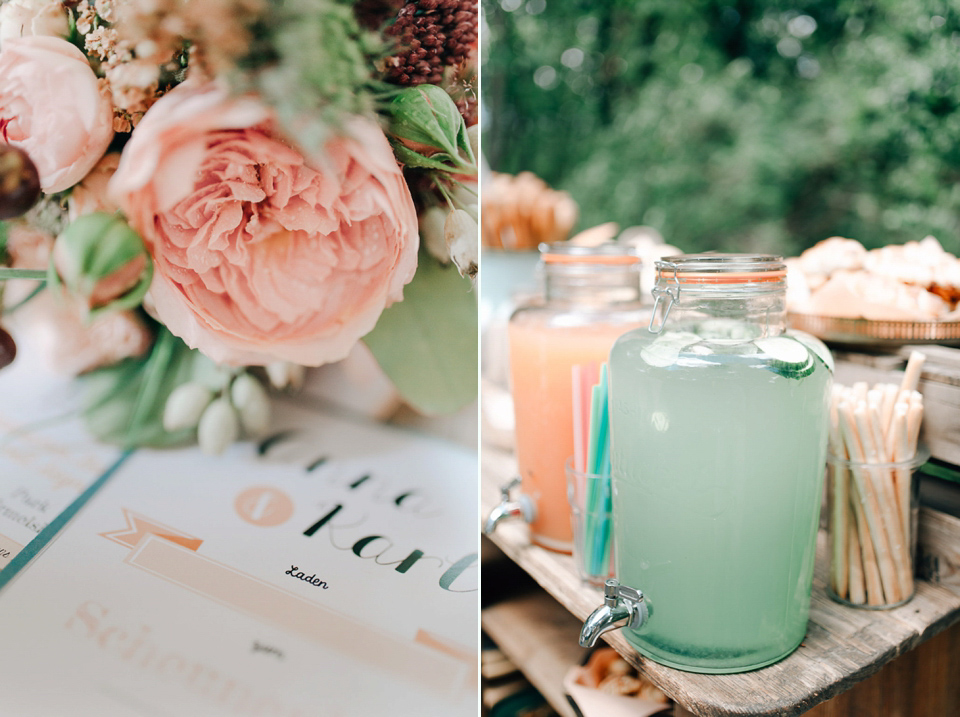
(722, 268)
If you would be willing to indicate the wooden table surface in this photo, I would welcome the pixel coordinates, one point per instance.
(843, 645)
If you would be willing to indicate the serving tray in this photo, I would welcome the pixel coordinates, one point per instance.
(877, 333)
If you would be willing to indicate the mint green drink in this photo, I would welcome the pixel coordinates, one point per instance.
(718, 431)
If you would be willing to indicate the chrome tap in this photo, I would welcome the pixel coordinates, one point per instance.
(522, 507)
(622, 607)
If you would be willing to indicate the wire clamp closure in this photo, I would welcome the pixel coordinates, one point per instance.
(668, 287)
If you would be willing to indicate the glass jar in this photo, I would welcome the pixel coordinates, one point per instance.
(591, 297)
(719, 423)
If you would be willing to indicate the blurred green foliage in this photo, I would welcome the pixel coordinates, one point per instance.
(750, 126)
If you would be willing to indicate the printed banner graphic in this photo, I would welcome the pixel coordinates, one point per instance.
(172, 555)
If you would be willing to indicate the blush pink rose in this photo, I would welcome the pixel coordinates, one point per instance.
(90, 195)
(59, 327)
(54, 108)
(261, 254)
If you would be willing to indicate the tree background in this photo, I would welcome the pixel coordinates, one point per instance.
(739, 126)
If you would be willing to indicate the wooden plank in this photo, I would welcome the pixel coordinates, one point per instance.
(921, 683)
(843, 645)
(938, 549)
(540, 637)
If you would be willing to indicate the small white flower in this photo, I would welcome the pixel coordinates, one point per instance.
(185, 406)
(283, 374)
(432, 223)
(461, 234)
(297, 374)
(218, 427)
(278, 375)
(252, 403)
(20, 18)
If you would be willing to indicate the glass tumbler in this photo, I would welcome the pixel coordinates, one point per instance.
(591, 514)
(872, 525)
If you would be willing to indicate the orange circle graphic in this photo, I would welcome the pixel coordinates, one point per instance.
(264, 505)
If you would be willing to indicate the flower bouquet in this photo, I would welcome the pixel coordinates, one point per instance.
(201, 197)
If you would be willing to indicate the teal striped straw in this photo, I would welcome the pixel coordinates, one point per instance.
(598, 498)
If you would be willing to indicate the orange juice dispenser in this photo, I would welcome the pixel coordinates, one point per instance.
(591, 296)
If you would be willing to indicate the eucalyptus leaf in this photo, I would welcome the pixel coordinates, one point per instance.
(123, 403)
(427, 343)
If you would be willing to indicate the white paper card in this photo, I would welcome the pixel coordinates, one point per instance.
(335, 574)
(46, 456)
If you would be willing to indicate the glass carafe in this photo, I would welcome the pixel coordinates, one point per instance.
(591, 297)
(719, 423)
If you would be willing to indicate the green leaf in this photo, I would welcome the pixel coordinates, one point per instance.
(427, 343)
(32, 274)
(437, 161)
(123, 404)
(425, 114)
(132, 298)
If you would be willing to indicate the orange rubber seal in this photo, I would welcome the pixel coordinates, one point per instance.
(746, 277)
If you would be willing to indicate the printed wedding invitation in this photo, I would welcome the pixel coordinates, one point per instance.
(329, 570)
(47, 459)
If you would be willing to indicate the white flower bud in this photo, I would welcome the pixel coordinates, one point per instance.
(20, 18)
(283, 374)
(252, 403)
(218, 427)
(278, 374)
(296, 374)
(432, 223)
(461, 234)
(185, 406)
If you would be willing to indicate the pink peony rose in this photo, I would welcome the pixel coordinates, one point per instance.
(19, 18)
(53, 107)
(91, 194)
(260, 254)
(58, 326)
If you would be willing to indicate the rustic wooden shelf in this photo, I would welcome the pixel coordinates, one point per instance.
(843, 645)
(533, 630)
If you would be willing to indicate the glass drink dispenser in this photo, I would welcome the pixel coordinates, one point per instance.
(718, 420)
(591, 297)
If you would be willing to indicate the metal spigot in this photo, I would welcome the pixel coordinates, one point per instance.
(622, 607)
(522, 507)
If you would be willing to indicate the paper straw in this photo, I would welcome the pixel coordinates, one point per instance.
(911, 375)
(858, 593)
(853, 434)
(578, 443)
(867, 556)
(860, 389)
(839, 506)
(902, 451)
(598, 494)
(890, 391)
(886, 501)
(594, 428)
